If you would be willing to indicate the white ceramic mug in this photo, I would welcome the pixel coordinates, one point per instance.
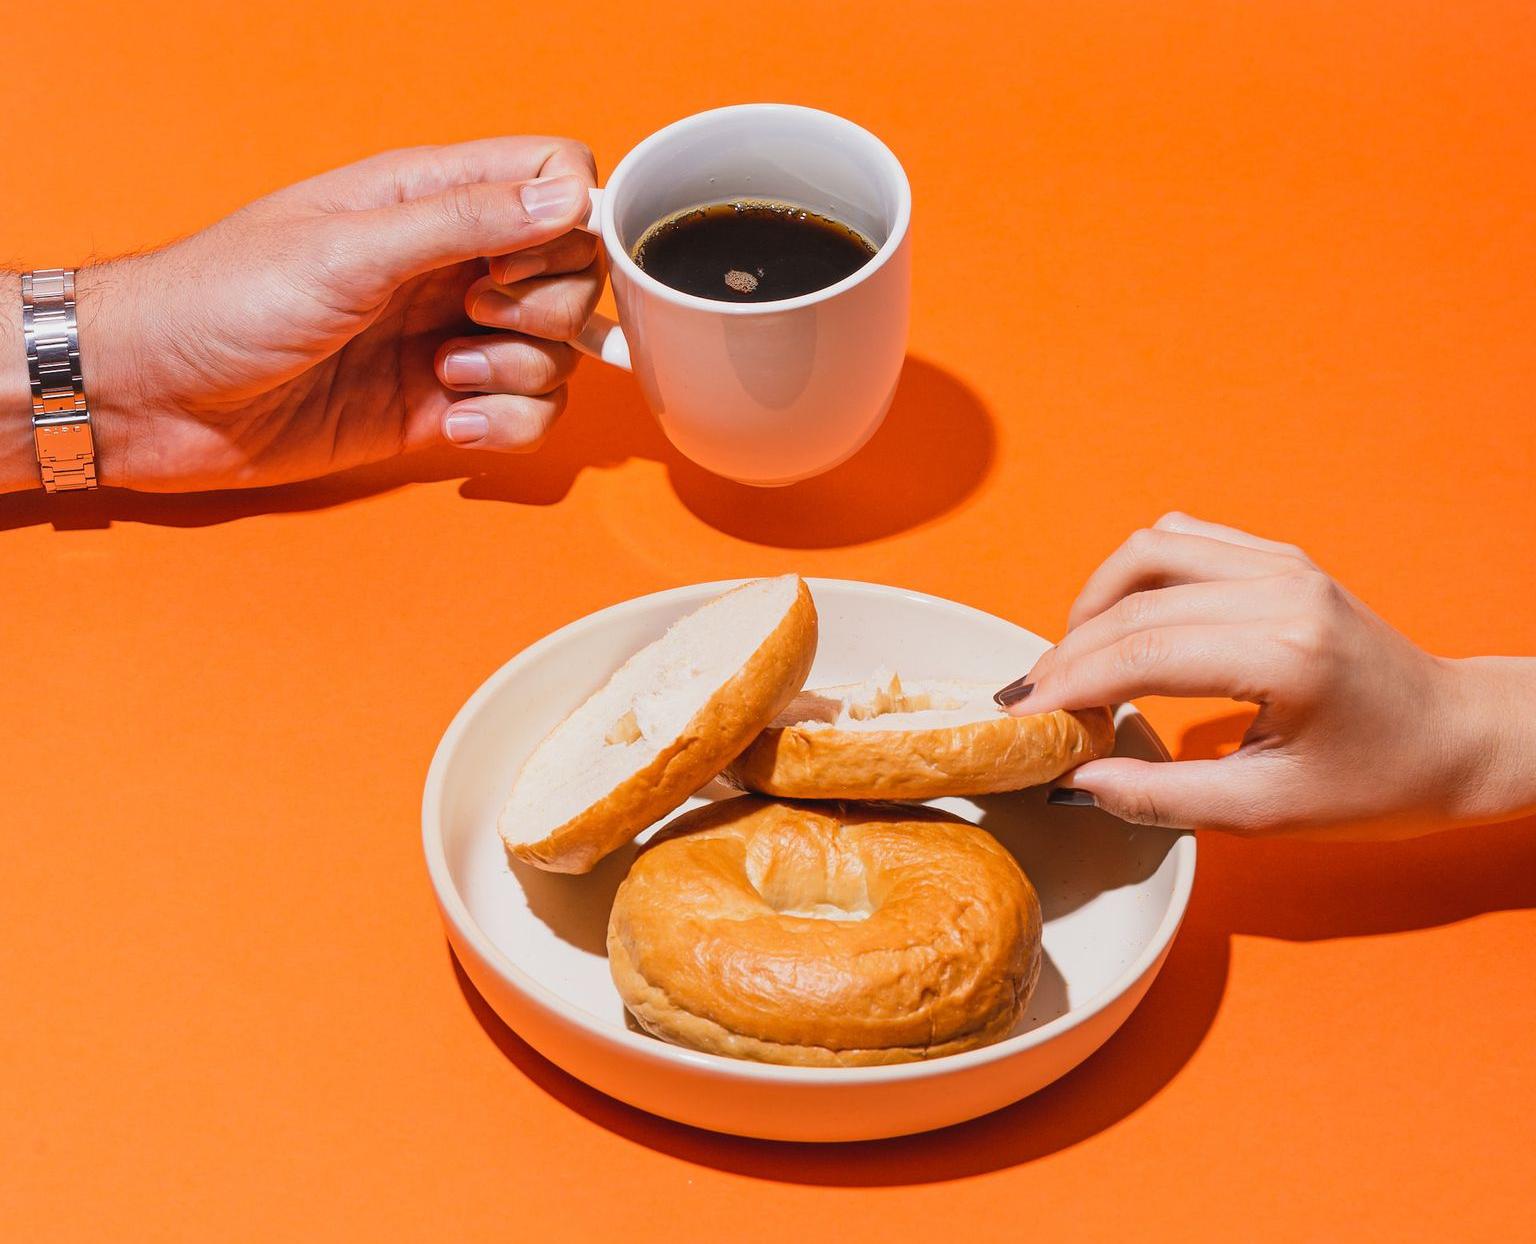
(769, 392)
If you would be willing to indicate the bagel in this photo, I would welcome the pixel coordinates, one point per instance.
(671, 718)
(825, 935)
(883, 739)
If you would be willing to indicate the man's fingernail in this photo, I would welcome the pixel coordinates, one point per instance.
(1071, 797)
(497, 310)
(1015, 691)
(465, 427)
(550, 198)
(516, 268)
(469, 368)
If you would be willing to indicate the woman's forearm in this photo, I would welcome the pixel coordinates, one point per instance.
(1497, 735)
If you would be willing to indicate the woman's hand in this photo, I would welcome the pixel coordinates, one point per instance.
(329, 324)
(1359, 733)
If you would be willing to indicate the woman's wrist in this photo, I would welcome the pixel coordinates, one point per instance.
(1493, 734)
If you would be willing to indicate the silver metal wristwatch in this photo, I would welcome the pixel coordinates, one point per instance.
(61, 420)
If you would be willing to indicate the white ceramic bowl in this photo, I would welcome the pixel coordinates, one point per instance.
(532, 942)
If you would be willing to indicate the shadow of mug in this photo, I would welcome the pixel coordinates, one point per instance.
(936, 423)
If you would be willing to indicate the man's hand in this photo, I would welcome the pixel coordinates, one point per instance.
(331, 324)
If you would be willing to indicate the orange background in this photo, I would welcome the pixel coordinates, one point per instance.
(1273, 263)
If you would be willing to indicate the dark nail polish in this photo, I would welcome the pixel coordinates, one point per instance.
(1071, 797)
(1015, 691)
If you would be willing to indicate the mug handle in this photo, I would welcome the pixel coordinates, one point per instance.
(602, 338)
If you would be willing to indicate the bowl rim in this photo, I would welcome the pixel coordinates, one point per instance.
(456, 912)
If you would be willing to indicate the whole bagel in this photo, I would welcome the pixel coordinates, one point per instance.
(825, 935)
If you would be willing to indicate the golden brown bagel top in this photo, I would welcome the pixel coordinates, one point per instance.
(715, 941)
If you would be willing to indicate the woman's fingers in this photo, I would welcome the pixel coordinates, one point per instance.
(505, 364)
(1188, 604)
(1237, 794)
(1190, 526)
(555, 308)
(505, 422)
(573, 252)
(1241, 662)
(1154, 558)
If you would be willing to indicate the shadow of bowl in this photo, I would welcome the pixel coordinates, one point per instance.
(1127, 1072)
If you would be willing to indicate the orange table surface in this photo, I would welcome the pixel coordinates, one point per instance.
(1273, 263)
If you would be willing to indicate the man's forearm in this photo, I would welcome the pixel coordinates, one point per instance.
(18, 460)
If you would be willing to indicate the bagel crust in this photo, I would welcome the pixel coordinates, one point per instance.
(807, 754)
(733, 715)
(824, 935)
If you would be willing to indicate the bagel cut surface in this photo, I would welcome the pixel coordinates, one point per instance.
(886, 739)
(666, 723)
(824, 934)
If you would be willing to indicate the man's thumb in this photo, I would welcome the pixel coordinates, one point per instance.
(464, 222)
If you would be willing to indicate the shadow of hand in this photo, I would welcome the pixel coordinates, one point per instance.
(1309, 890)
(936, 424)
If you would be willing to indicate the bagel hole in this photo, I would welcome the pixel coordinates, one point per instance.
(811, 887)
(825, 911)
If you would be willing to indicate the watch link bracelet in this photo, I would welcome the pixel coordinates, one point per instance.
(61, 420)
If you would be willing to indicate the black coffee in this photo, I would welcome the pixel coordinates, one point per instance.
(750, 252)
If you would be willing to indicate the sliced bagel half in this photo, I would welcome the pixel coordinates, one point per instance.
(885, 739)
(669, 720)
